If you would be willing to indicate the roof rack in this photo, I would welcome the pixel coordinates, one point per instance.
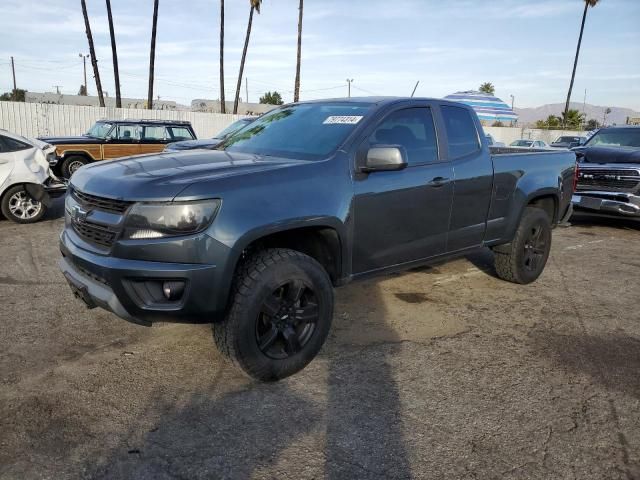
(146, 120)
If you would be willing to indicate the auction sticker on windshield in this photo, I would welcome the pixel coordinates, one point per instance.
(343, 119)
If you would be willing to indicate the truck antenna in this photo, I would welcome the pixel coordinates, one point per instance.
(414, 88)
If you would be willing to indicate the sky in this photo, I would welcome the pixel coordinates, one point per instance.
(525, 48)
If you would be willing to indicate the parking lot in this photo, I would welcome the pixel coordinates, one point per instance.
(442, 372)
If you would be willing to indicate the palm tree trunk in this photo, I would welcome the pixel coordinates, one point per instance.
(114, 54)
(575, 62)
(296, 88)
(244, 56)
(152, 56)
(223, 108)
(92, 52)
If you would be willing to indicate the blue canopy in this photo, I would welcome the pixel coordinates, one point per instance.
(486, 106)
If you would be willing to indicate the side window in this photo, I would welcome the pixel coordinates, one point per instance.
(180, 133)
(461, 131)
(152, 132)
(127, 132)
(411, 128)
(8, 145)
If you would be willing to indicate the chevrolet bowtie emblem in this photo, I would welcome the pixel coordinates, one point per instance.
(79, 214)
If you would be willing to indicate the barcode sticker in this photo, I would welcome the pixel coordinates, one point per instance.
(343, 119)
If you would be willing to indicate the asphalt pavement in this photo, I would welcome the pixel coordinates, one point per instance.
(437, 373)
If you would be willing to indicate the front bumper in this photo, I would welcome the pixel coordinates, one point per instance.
(618, 204)
(125, 287)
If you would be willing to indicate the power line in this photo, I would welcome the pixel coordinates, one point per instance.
(364, 90)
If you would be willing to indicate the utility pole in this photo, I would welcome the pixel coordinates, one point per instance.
(513, 99)
(84, 61)
(246, 88)
(349, 80)
(13, 70)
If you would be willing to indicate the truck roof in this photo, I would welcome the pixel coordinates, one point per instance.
(383, 100)
(146, 120)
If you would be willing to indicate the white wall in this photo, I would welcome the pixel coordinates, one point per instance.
(41, 119)
(509, 134)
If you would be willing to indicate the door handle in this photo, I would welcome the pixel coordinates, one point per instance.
(438, 182)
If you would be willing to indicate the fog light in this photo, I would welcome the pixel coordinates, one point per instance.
(173, 290)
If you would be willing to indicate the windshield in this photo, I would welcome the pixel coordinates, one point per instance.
(616, 137)
(233, 128)
(308, 131)
(99, 130)
(521, 143)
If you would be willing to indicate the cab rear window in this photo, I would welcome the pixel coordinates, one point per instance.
(461, 131)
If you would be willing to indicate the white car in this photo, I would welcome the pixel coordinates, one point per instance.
(26, 181)
(525, 143)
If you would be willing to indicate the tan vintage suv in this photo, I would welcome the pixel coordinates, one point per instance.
(109, 139)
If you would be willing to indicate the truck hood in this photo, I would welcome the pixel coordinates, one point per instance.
(76, 139)
(162, 177)
(192, 144)
(607, 154)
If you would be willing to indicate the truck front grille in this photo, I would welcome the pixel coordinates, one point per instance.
(100, 234)
(608, 180)
(101, 203)
(94, 233)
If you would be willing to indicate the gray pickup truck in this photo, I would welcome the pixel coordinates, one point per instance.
(609, 173)
(253, 236)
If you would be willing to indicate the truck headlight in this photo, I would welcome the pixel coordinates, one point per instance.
(159, 220)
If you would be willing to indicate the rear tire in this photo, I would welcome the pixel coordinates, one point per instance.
(280, 314)
(71, 164)
(20, 207)
(523, 260)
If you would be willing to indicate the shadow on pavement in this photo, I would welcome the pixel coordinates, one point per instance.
(219, 433)
(587, 220)
(611, 360)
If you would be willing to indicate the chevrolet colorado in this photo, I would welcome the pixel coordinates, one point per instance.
(253, 236)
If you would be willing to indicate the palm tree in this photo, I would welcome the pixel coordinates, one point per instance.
(587, 4)
(255, 5)
(296, 88)
(152, 57)
(92, 52)
(572, 119)
(223, 108)
(114, 54)
(488, 88)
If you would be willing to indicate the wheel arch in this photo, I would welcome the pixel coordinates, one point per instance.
(76, 153)
(321, 239)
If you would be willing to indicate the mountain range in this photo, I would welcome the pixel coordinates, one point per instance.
(617, 116)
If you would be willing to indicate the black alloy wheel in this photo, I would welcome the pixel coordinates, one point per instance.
(287, 320)
(535, 248)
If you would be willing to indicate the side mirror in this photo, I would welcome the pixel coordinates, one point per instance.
(385, 158)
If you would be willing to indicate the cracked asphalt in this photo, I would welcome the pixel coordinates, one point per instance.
(441, 372)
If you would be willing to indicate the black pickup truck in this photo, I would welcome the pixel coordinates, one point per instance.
(253, 236)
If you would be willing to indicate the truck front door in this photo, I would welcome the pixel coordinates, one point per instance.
(400, 216)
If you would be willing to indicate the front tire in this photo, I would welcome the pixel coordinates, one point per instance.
(280, 314)
(20, 207)
(71, 164)
(523, 260)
